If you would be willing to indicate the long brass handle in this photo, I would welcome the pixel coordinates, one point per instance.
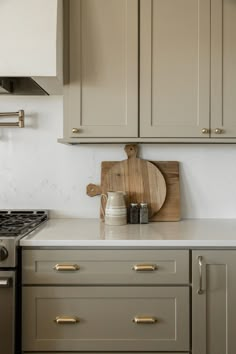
(200, 264)
(144, 320)
(145, 267)
(66, 267)
(66, 320)
(21, 119)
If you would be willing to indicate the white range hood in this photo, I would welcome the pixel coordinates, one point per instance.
(31, 47)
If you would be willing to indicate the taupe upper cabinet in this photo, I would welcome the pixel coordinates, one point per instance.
(175, 68)
(171, 78)
(101, 98)
(223, 73)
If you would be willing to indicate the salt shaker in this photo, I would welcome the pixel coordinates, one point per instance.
(134, 213)
(143, 215)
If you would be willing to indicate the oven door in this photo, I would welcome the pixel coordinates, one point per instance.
(7, 311)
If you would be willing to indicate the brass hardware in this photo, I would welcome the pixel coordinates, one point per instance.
(19, 124)
(75, 130)
(66, 320)
(205, 131)
(5, 282)
(145, 267)
(218, 131)
(200, 264)
(66, 267)
(144, 320)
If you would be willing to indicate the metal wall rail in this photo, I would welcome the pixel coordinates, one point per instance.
(21, 119)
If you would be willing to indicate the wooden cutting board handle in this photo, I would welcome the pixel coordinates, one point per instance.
(93, 189)
(131, 151)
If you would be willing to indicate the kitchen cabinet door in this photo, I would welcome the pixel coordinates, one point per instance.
(213, 301)
(101, 96)
(223, 88)
(174, 68)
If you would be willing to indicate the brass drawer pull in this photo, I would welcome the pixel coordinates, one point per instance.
(144, 320)
(66, 267)
(145, 267)
(67, 320)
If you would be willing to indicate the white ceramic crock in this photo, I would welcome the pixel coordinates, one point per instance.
(115, 211)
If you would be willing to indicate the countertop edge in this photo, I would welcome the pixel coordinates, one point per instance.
(129, 243)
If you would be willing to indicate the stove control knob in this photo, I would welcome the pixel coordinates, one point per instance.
(3, 254)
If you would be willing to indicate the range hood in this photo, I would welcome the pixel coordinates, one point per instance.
(31, 60)
(20, 86)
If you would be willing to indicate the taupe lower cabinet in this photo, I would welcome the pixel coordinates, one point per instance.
(213, 297)
(151, 70)
(186, 313)
(62, 311)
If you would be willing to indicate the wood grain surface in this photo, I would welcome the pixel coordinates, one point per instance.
(140, 179)
(170, 210)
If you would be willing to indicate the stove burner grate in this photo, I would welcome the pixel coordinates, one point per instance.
(16, 223)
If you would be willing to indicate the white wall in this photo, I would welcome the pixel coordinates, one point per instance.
(37, 172)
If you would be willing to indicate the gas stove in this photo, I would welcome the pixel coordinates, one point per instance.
(15, 224)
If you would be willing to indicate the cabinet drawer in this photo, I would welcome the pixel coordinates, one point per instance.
(106, 319)
(105, 267)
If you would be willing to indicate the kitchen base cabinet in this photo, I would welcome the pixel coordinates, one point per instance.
(213, 301)
(106, 318)
(103, 300)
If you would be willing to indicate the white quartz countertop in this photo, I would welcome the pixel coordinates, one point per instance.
(191, 233)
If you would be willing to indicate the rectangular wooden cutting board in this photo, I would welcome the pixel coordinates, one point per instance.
(170, 210)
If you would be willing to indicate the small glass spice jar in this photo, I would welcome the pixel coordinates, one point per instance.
(134, 213)
(143, 213)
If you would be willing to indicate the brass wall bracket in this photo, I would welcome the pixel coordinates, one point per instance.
(21, 119)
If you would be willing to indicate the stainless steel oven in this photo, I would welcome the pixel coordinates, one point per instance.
(14, 224)
(8, 344)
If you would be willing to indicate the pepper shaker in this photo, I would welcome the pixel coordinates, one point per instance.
(134, 213)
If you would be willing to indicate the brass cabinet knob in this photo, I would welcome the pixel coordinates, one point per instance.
(205, 131)
(75, 130)
(218, 131)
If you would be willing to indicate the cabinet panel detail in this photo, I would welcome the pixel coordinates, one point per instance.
(175, 68)
(106, 318)
(101, 99)
(214, 315)
(104, 267)
(223, 76)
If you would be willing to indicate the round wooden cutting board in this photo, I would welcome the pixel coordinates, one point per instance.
(140, 179)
